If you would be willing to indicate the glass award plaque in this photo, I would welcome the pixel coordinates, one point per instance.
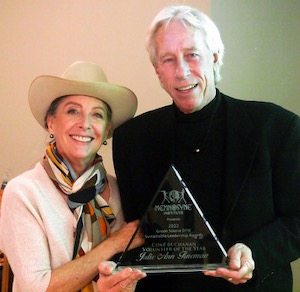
(178, 238)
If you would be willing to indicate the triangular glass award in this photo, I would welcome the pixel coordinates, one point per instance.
(178, 238)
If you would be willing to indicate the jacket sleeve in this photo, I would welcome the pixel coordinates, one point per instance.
(277, 243)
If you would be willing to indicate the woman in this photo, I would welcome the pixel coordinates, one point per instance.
(63, 217)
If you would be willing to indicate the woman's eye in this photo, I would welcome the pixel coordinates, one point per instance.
(98, 115)
(72, 111)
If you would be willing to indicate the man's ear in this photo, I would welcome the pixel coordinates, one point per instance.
(216, 58)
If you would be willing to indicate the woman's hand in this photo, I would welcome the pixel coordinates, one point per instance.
(241, 265)
(110, 281)
(122, 236)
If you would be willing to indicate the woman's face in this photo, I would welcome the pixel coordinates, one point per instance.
(79, 125)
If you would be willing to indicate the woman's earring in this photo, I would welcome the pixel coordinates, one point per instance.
(51, 136)
(104, 142)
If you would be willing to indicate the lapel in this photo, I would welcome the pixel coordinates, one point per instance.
(240, 152)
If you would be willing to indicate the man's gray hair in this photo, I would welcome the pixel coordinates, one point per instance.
(191, 17)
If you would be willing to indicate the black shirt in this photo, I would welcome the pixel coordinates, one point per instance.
(199, 158)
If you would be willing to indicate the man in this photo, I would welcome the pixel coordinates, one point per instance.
(241, 160)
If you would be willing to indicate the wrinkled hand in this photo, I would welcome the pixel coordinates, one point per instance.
(125, 280)
(241, 265)
(124, 234)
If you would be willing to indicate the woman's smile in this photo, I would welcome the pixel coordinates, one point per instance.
(82, 138)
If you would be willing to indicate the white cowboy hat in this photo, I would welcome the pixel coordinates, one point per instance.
(81, 78)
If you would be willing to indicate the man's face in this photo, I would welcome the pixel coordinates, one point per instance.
(185, 66)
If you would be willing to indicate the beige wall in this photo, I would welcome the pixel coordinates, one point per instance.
(262, 42)
(45, 37)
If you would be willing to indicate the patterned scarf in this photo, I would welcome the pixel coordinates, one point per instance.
(93, 215)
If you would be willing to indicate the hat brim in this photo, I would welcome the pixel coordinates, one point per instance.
(45, 89)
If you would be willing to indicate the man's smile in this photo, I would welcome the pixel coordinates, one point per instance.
(185, 88)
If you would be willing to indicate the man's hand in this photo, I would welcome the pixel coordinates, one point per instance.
(241, 265)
